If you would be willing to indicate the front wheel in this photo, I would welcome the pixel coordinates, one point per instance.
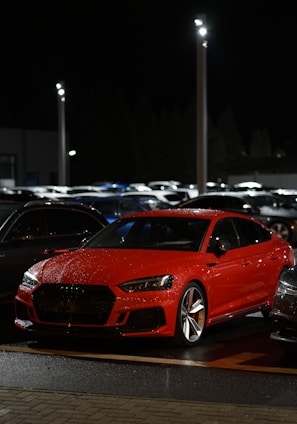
(191, 316)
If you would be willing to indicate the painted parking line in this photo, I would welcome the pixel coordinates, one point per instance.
(241, 361)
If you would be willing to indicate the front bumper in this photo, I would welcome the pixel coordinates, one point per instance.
(88, 311)
(283, 327)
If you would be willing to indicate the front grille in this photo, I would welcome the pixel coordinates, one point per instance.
(73, 303)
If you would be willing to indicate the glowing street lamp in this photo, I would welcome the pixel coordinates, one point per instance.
(61, 133)
(201, 93)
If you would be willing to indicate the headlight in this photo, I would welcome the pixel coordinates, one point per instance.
(161, 282)
(29, 280)
(286, 289)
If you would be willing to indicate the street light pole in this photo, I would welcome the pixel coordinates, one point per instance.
(201, 93)
(61, 133)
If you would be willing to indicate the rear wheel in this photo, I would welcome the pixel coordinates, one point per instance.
(282, 229)
(191, 316)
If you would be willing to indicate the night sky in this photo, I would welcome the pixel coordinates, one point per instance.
(149, 46)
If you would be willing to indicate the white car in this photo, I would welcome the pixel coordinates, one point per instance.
(169, 196)
(164, 185)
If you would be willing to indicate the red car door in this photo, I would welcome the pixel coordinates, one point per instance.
(244, 276)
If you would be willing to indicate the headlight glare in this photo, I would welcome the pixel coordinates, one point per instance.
(29, 280)
(160, 282)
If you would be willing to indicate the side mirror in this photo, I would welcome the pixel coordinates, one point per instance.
(220, 247)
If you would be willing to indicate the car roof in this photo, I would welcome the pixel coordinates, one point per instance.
(239, 194)
(149, 192)
(10, 205)
(16, 204)
(188, 213)
(49, 204)
(213, 195)
(106, 199)
(250, 194)
(289, 191)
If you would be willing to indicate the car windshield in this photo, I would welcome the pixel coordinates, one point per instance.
(163, 233)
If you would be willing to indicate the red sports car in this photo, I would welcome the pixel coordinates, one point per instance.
(161, 273)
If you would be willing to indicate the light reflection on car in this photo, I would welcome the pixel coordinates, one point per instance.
(161, 273)
(284, 312)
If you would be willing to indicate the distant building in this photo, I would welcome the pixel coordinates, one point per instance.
(278, 171)
(28, 157)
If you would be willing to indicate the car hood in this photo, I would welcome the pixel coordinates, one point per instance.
(113, 266)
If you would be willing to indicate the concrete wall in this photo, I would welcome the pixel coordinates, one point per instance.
(35, 153)
(273, 180)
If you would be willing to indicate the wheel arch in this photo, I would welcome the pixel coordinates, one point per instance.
(202, 287)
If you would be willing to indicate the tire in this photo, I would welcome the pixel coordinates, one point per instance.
(282, 229)
(191, 316)
(266, 313)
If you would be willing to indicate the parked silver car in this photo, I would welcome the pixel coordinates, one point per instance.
(283, 315)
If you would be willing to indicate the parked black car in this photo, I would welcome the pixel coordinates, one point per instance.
(283, 315)
(272, 210)
(112, 207)
(35, 230)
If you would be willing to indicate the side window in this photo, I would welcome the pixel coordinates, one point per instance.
(87, 222)
(224, 231)
(62, 221)
(250, 232)
(220, 203)
(108, 208)
(236, 204)
(129, 207)
(29, 225)
(201, 203)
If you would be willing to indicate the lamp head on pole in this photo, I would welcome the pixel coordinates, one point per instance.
(60, 91)
(201, 29)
